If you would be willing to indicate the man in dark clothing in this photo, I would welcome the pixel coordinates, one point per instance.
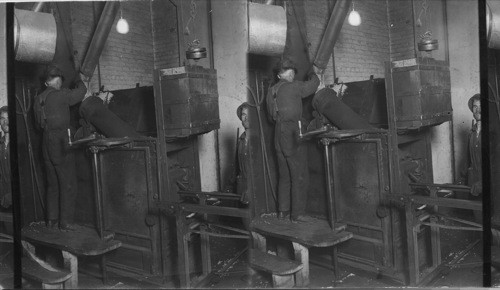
(243, 155)
(284, 103)
(5, 187)
(52, 113)
(472, 172)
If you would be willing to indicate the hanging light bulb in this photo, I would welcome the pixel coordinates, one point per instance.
(122, 25)
(354, 18)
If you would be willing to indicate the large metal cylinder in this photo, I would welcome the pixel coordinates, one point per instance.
(35, 36)
(493, 23)
(266, 29)
(99, 38)
(326, 102)
(332, 32)
(93, 111)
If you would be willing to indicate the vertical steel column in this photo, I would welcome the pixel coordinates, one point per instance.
(97, 191)
(329, 180)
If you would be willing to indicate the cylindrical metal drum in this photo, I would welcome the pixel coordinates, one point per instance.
(266, 29)
(493, 23)
(326, 102)
(35, 36)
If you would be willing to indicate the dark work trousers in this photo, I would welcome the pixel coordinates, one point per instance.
(291, 191)
(61, 180)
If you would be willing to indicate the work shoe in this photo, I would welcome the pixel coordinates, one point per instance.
(52, 224)
(283, 215)
(303, 219)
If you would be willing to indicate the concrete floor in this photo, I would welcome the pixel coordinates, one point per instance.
(230, 273)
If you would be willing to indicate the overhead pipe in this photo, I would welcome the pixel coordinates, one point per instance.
(493, 24)
(37, 7)
(99, 38)
(332, 32)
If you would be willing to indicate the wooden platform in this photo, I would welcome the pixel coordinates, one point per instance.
(32, 270)
(273, 264)
(317, 233)
(83, 241)
(281, 269)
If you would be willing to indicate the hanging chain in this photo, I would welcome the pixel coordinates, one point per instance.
(196, 42)
(427, 35)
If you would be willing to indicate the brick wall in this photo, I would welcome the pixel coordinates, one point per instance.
(126, 59)
(401, 33)
(165, 42)
(360, 51)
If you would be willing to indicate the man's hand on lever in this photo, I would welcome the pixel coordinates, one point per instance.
(84, 78)
(320, 73)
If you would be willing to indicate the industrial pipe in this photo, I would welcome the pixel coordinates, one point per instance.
(35, 36)
(332, 32)
(37, 7)
(326, 102)
(99, 38)
(493, 24)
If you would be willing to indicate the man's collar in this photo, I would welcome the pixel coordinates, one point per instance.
(474, 126)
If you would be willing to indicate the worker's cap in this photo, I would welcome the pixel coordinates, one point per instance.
(240, 109)
(472, 99)
(4, 109)
(53, 72)
(287, 64)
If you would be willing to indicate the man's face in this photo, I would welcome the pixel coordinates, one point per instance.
(244, 118)
(4, 122)
(56, 83)
(476, 109)
(287, 75)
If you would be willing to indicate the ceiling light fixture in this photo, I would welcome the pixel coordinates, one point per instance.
(354, 17)
(122, 24)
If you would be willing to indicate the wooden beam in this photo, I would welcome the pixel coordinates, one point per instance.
(71, 264)
(218, 210)
(437, 201)
(447, 202)
(302, 256)
(454, 187)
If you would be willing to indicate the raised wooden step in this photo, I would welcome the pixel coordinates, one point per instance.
(281, 269)
(49, 279)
